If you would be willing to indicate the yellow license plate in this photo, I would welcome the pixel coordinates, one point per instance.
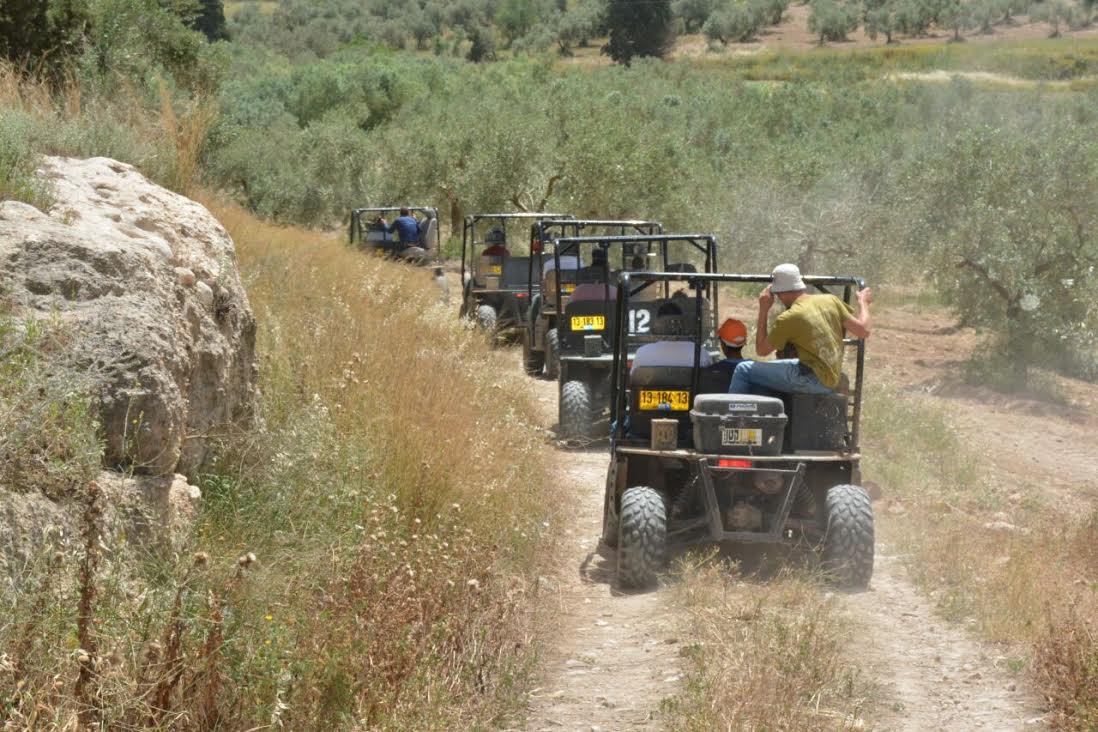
(588, 322)
(670, 401)
(567, 288)
(731, 436)
(495, 269)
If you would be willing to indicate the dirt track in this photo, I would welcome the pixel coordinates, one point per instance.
(616, 655)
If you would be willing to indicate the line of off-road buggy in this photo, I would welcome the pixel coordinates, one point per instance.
(624, 317)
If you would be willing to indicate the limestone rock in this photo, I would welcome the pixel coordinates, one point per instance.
(146, 280)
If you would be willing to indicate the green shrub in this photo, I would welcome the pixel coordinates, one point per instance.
(831, 20)
(18, 161)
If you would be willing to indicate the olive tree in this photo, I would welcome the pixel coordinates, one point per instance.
(831, 20)
(1010, 220)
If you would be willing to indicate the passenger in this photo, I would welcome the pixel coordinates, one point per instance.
(598, 270)
(814, 325)
(496, 239)
(406, 227)
(733, 337)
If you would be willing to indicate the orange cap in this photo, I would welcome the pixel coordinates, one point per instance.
(733, 333)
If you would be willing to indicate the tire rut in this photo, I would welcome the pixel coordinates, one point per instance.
(615, 655)
(934, 676)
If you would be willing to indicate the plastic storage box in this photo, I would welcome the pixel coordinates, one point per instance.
(738, 424)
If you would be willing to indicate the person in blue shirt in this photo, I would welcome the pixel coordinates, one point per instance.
(406, 227)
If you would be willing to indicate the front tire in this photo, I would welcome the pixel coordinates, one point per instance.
(848, 543)
(575, 411)
(552, 354)
(642, 537)
(486, 318)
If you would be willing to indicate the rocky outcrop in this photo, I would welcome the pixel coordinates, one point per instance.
(145, 280)
(152, 512)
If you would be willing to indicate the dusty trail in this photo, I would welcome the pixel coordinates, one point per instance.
(933, 676)
(617, 655)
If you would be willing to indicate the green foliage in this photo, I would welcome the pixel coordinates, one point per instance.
(580, 23)
(882, 19)
(42, 32)
(638, 29)
(694, 13)
(18, 161)
(482, 45)
(140, 39)
(1053, 12)
(1015, 233)
(49, 439)
(515, 18)
(734, 22)
(832, 20)
(955, 15)
(211, 20)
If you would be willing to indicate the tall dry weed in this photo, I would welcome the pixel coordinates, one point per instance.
(386, 512)
(768, 655)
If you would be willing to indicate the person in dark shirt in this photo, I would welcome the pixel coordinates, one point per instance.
(733, 337)
(406, 227)
(496, 239)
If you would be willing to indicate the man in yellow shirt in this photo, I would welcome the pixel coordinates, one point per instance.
(814, 325)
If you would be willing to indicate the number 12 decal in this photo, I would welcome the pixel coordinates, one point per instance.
(639, 321)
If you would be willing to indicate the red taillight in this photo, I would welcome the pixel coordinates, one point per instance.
(629, 364)
(726, 463)
(520, 294)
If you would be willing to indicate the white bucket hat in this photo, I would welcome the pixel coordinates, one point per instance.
(787, 278)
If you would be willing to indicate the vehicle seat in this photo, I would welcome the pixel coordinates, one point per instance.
(662, 366)
(592, 291)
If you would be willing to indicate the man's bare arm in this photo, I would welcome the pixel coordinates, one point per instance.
(762, 345)
(859, 325)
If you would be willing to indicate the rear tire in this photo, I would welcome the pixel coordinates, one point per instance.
(642, 537)
(486, 318)
(552, 354)
(576, 414)
(532, 361)
(848, 543)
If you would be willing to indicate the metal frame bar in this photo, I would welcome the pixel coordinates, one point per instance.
(617, 406)
(468, 229)
(356, 221)
(709, 248)
(776, 534)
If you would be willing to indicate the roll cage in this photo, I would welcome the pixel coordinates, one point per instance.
(469, 242)
(546, 230)
(356, 229)
(631, 284)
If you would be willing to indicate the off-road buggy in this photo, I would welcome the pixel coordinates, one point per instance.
(541, 337)
(495, 258)
(588, 322)
(366, 231)
(691, 463)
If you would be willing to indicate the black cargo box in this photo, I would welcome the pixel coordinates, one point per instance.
(738, 424)
(818, 422)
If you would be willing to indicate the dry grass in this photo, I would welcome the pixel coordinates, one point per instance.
(1033, 588)
(773, 655)
(364, 557)
(164, 140)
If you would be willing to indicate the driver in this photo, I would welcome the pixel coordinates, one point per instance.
(406, 227)
(496, 239)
